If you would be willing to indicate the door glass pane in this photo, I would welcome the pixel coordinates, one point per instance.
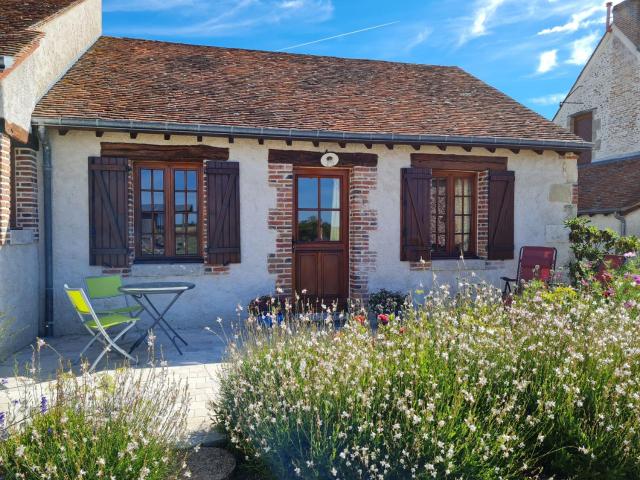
(158, 179)
(330, 225)
(192, 180)
(192, 202)
(307, 226)
(180, 245)
(179, 224)
(158, 201)
(307, 192)
(145, 202)
(192, 245)
(179, 179)
(330, 193)
(145, 179)
(192, 220)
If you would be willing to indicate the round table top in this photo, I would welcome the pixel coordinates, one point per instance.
(149, 288)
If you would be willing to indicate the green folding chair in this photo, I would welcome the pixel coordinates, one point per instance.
(98, 325)
(106, 287)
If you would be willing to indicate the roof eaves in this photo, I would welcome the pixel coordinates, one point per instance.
(310, 135)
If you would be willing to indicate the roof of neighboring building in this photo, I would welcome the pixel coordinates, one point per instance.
(150, 81)
(626, 16)
(18, 19)
(610, 186)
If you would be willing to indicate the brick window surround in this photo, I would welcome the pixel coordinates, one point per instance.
(362, 221)
(18, 189)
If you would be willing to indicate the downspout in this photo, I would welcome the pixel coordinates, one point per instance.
(47, 329)
(623, 223)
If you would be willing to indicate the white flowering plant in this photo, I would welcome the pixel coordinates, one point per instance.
(116, 425)
(460, 386)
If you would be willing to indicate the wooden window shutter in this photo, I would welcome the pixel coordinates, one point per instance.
(108, 211)
(223, 212)
(501, 215)
(415, 214)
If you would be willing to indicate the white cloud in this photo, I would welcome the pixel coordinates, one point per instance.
(547, 61)
(578, 21)
(419, 38)
(227, 17)
(147, 5)
(546, 100)
(582, 48)
(484, 13)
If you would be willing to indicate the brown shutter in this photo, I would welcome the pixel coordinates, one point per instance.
(501, 215)
(108, 211)
(416, 214)
(583, 127)
(223, 207)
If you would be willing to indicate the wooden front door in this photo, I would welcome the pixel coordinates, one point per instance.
(320, 236)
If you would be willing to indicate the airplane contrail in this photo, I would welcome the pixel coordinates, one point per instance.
(338, 36)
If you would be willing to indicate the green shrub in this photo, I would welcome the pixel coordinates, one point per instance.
(386, 301)
(461, 387)
(119, 425)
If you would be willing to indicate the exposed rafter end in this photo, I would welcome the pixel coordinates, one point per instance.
(167, 136)
(369, 146)
(289, 142)
(316, 143)
(491, 149)
(261, 141)
(389, 146)
(231, 139)
(199, 138)
(467, 149)
(342, 144)
(515, 150)
(442, 147)
(539, 152)
(133, 135)
(63, 131)
(561, 153)
(99, 133)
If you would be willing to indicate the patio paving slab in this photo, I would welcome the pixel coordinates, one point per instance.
(199, 365)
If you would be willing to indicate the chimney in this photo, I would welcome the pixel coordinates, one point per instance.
(609, 5)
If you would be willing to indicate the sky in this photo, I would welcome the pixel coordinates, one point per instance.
(532, 50)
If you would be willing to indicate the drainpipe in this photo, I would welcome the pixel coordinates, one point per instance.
(623, 223)
(47, 329)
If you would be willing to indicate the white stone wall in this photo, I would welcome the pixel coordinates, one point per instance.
(543, 201)
(610, 221)
(66, 37)
(610, 87)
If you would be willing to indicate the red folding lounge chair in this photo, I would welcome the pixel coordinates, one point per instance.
(535, 263)
(609, 263)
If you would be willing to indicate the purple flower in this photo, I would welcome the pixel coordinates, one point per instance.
(630, 304)
(2, 417)
(43, 404)
(636, 279)
(630, 254)
(4, 381)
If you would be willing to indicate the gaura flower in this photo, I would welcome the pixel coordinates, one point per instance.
(383, 318)
(630, 254)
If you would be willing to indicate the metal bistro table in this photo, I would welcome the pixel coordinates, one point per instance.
(141, 293)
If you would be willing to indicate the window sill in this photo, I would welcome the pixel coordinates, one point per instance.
(456, 264)
(167, 269)
(21, 236)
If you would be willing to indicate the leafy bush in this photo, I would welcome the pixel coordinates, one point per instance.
(590, 245)
(120, 425)
(386, 301)
(460, 387)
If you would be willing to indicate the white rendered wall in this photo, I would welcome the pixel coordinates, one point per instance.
(543, 201)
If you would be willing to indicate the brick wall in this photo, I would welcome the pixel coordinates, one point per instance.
(362, 221)
(26, 188)
(280, 262)
(482, 237)
(5, 188)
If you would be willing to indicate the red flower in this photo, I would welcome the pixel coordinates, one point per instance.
(401, 329)
(383, 318)
(610, 292)
(361, 319)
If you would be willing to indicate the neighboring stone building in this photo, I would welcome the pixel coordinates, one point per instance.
(209, 164)
(603, 107)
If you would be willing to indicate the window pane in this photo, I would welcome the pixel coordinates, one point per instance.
(158, 201)
(192, 245)
(192, 202)
(159, 224)
(180, 228)
(192, 180)
(180, 202)
(145, 179)
(179, 179)
(158, 179)
(145, 202)
(307, 192)
(179, 219)
(330, 193)
(307, 226)
(180, 245)
(146, 245)
(330, 225)
(146, 224)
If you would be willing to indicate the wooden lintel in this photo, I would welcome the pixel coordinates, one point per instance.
(467, 149)
(133, 135)
(141, 151)
(304, 158)
(63, 131)
(389, 146)
(342, 144)
(99, 133)
(515, 150)
(442, 147)
(316, 143)
(167, 136)
(445, 161)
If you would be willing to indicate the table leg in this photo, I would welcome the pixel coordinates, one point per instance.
(162, 319)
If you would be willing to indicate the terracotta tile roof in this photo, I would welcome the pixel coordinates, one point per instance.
(141, 80)
(18, 18)
(610, 185)
(626, 16)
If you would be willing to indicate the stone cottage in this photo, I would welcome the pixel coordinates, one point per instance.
(247, 171)
(603, 107)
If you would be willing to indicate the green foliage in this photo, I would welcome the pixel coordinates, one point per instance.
(118, 425)
(589, 245)
(386, 301)
(459, 387)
